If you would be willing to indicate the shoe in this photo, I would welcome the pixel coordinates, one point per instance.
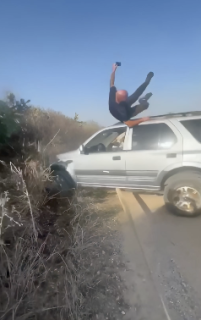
(144, 99)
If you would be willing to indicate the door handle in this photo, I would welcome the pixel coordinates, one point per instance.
(171, 155)
(116, 158)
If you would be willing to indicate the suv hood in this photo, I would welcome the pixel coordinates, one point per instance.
(68, 155)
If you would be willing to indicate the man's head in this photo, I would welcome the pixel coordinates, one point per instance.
(121, 95)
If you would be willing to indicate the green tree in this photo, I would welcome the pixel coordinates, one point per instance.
(12, 121)
(76, 118)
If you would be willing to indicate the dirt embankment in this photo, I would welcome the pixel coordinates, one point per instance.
(106, 295)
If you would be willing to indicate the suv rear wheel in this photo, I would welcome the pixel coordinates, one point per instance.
(182, 193)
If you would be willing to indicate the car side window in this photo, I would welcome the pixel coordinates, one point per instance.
(152, 137)
(194, 127)
(111, 140)
(167, 138)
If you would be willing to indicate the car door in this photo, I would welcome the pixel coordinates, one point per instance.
(103, 162)
(156, 147)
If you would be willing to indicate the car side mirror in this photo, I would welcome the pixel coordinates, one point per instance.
(82, 149)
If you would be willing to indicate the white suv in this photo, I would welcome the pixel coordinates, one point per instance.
(160, 156)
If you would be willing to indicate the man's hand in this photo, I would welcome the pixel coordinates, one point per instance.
(112, 78)
(114, 67)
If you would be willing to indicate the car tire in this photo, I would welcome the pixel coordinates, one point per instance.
(182, 193)
(62, 184)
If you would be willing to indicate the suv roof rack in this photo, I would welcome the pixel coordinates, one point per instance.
(172, 115)
(178, 114)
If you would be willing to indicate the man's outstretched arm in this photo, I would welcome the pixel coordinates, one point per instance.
(112, 78)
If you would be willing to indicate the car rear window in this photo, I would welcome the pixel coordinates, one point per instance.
(194, 127)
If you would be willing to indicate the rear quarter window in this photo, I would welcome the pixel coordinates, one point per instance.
(194, 127)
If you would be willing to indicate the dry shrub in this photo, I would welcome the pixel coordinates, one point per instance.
(56, 260)
(29, 242)
(59, 132)
(52, 131)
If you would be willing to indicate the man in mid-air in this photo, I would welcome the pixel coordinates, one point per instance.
(120, 104)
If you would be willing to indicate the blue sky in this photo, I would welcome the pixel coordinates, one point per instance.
(59, 53)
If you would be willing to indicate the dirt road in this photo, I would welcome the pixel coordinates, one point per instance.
(163, 257)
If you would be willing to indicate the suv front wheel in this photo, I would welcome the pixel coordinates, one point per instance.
(182, 193)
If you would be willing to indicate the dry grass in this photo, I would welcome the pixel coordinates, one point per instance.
(58, 256)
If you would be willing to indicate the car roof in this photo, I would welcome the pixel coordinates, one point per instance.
(179, 116)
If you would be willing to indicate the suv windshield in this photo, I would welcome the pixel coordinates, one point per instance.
(110, 140)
